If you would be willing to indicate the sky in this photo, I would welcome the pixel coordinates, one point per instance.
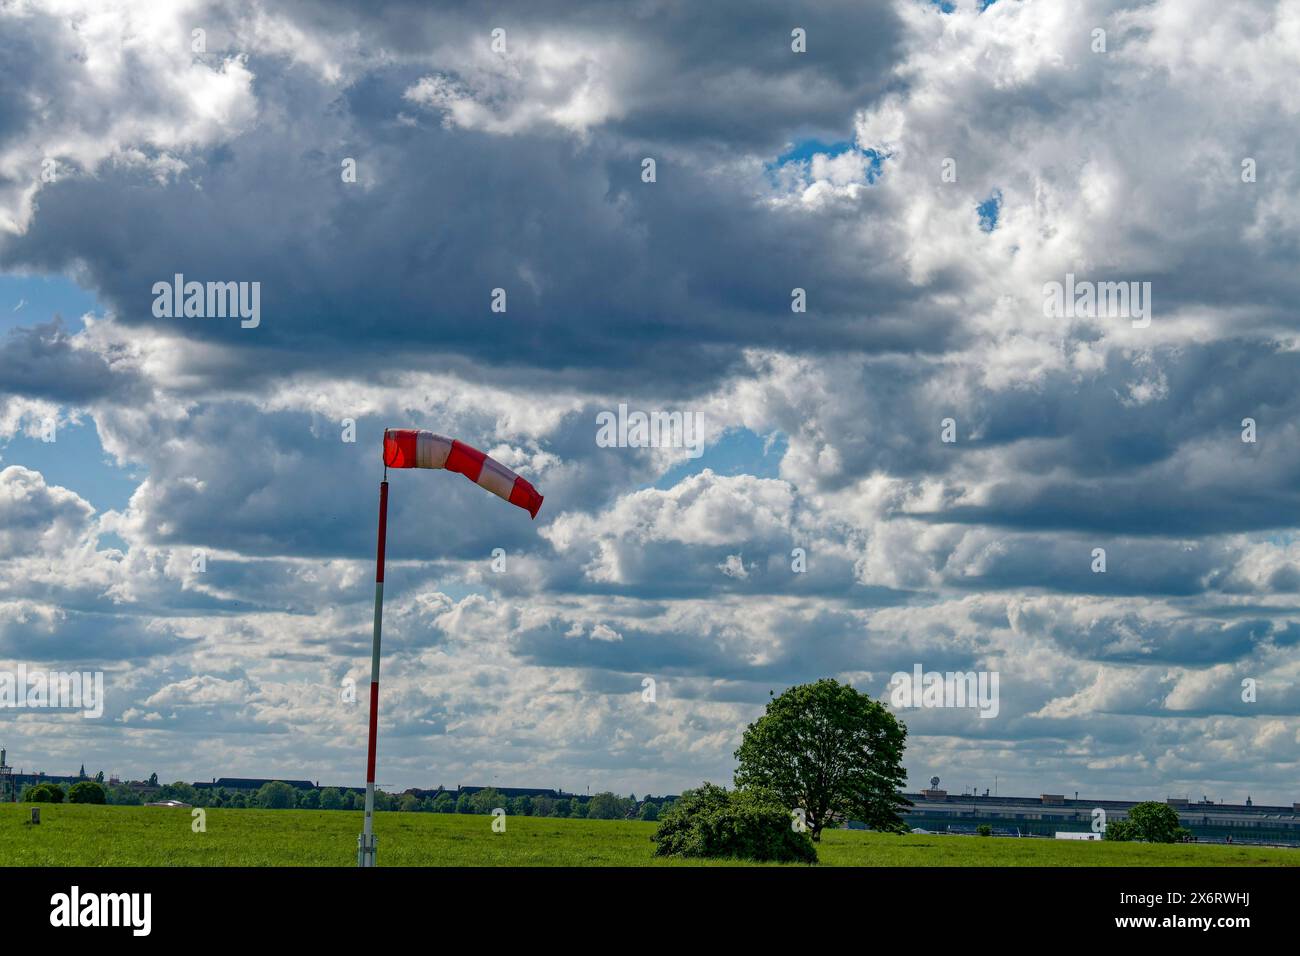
(840, 265)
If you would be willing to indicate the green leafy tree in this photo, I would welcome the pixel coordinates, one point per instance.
(984, 830)
(521, 806)
(1155, 822)
(331, 799)
(276, 795)
(409, 803)
(180, 790)
(123, 796)
(543, 806)
(153, 779)
(444, 803)
(87, 791)
(238, 800)
(1120, 831)
(43, 793)
(830, 750)
(577, 809)
(606, 806)
(309, 800)
(748, 824)
(485, 801)
(649, 811)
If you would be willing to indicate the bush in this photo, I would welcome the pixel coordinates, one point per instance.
(1156, 822)
(984, 830)
(87, 791)
(44, 793)
(608, 806)
(1121, 831)
(276, 795)
(123, 796)
(742, 824)
(1151, 821)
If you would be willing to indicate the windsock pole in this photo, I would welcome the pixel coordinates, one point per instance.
(366, 841)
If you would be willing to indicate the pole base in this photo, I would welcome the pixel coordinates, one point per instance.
(366, 849)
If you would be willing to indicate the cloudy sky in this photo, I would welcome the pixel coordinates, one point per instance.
(201, 531)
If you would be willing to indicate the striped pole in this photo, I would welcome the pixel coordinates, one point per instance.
(366, 841)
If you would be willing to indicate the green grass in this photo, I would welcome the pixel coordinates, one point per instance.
(159, 836)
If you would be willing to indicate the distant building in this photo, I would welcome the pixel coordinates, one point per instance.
(252, 783)
(1052, 814)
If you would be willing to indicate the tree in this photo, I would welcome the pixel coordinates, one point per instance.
(606, 806)
(444, 803)
(1155, 822)
(309, 800)
(1120, 831)
(180, 790)
(463, 804)
(649, 811)
(99, 777)
(577, 809)
(543, 806)
(123, 796)
(409, 803)
(984, 829)
(485, 801)
(87, 791)
(831, 751)
(43, 793)
(521, 806)
(750, 824)
(153, 779)
(331, 799)
(276, 795)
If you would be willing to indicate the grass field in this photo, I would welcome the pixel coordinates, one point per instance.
(158, 836)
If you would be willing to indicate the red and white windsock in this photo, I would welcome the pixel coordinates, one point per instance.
(413, 448)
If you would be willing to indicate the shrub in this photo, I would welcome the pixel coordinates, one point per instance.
(276, 795)
(44, 793)
(1156, 822)
(87, 791)
(1121, 831)
(741, 824)
(984, 830)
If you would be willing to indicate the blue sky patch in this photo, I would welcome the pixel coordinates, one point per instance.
(738, 452)
(76, 461)
(988, 211)
(30, 300)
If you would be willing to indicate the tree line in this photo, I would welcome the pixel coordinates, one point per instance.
(278, 795)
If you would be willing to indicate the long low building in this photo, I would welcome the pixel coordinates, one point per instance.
(1049, 813)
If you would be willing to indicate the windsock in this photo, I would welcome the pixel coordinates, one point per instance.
(413, 448)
